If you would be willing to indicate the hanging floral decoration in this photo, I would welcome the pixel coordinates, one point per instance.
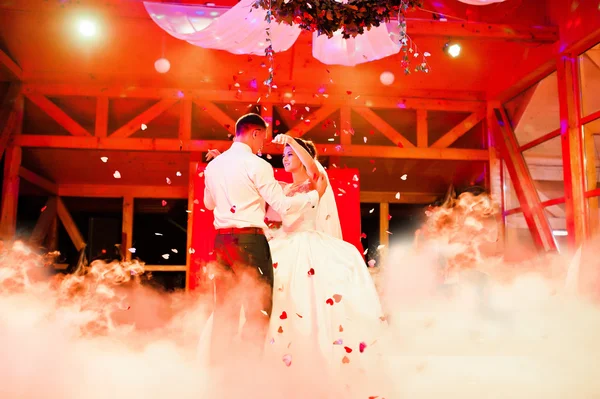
(328, 16)
(352, 18)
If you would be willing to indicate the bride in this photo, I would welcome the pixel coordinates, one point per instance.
(326, 311)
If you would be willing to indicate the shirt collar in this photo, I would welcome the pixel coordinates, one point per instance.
(241, 146)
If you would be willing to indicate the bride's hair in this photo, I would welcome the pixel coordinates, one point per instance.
(308, 145)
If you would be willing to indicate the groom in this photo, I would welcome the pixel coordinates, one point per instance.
(237, 185)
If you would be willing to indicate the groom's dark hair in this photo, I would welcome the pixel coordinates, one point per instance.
(249, 121)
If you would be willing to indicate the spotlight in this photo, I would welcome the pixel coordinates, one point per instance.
(452, 49)
(87, 28)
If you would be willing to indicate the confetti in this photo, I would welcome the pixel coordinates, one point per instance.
(355, 178)
(192, 251)
(338, 342)
(341, 329)
(337, 298)
(117, 175)
(174, 251)
(178, 174)
(372, 210)
(398, 195)
(389, 217)
(345, 360)
(404, 177)
(329, 301)
(283, 315)
(299, 315)
(347, 349)
(232, 210)
(164, 203)
(371, 263)
(361, 347)
(363, 235)
(143, 127)
(166, 256)
(264, 312)
(287, 359)
(380, 246)
(311, 272)
(104, 159)
(275, 265)
(158, 234)
(168, 180)
(365, 139)
(280, 330)
(201, 174)
(132, 250)
(43, 209)
(261, 272)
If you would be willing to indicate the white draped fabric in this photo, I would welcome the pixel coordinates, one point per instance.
(242, 30)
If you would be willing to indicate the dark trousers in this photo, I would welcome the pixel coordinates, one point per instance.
(244, 277)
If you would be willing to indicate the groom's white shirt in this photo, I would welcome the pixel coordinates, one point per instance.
(237, 184)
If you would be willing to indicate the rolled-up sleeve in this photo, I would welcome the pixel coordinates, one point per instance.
(271, 191)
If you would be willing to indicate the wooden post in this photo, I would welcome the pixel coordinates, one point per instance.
(346, 131)
(496, 183)
(10, 193)
(384, 227)
(185, 120)
(44, 223)
(69, 224)
(422, 139)
(101, 129)
(127, 228)
(572, 150)
(52, 237)
(267, 114)
(592, 182)
(193, 169)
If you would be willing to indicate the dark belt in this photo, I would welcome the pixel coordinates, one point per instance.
(241, 230)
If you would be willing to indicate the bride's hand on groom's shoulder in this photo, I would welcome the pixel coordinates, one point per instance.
(212, 154)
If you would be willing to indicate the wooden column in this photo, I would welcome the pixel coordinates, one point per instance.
(10, 193)
(592, 182)
(537, 222)
(69, 224)
(384, 227)
(572, 150)
(127, 228)
(496, 182)
(422, 139)
(267, 114)
(52, 238)
(193, 169)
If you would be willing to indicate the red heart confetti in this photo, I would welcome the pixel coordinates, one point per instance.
(275, 265)
(232, 210)
(299, 315)
(348, 350)
(329, 301)
(337, 298)
(338, 342)
(361, 347)
(283, 315)
(280, 330)
(345, 360)
(287, 359)
(363, 235)
(389, 217)
(341, 328)
(44, 208)
(311, 272)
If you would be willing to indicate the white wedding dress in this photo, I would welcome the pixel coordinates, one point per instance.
(325, 306)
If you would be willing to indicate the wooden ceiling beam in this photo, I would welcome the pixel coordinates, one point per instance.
(388, 131)
(38, 180)
(217, 114)
(417, 99)
(145, 117)
(175, 145)
(405, 198)
(11, 66)
(312, 121)
(53, 111)
(481, 30)
(459, 130)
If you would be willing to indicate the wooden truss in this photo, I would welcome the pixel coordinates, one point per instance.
(121, 138)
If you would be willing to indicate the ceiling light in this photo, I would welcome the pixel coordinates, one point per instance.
(87, 28)
(452, 49)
